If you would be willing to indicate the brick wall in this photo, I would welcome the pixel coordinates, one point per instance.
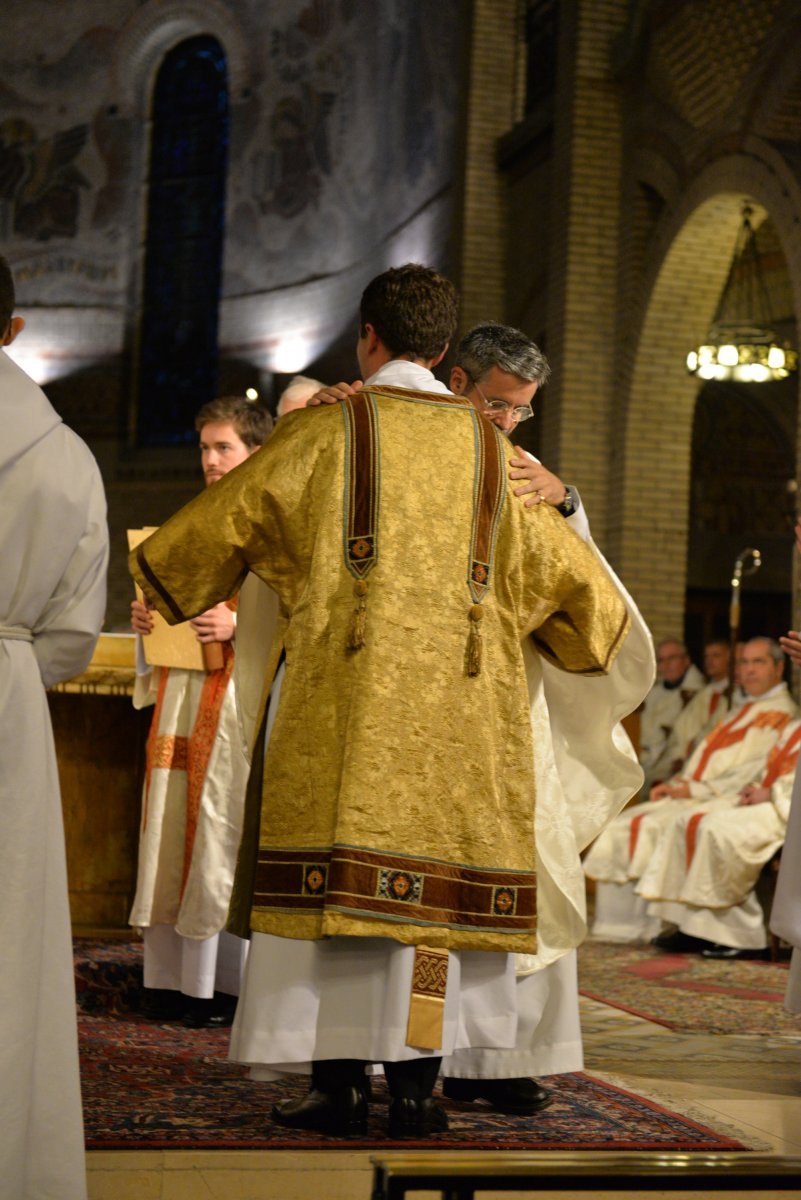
(646, 154)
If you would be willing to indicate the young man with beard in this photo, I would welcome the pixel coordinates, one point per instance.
(195, 782)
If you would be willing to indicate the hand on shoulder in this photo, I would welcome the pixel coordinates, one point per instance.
(334, 393)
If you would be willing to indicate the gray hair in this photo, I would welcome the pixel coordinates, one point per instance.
(492, 345)
(297, 386)
(774, 649)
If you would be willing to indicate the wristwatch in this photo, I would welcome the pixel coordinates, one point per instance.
(568, 505)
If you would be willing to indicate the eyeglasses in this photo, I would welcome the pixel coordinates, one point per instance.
(500, 408)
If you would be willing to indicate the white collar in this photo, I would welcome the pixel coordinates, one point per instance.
(400, 372)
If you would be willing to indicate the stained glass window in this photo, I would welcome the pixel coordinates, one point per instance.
(183, 242)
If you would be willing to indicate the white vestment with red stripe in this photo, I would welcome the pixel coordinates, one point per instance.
(732, 755)
(702, 875)
(192, 809)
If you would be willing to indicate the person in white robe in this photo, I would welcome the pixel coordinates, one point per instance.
(678, 680)
(703, 711)
(194, 790)
(727, 759)
(499, 1025)
(573, 804)
(54, 548)
(785, 917)
(702, 876)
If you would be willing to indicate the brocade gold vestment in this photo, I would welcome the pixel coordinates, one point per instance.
(398, 788)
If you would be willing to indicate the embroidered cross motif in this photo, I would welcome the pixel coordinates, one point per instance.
(504, 901)
(314, 879)
(399, 885)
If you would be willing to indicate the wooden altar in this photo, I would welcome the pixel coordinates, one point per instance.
(100, 745)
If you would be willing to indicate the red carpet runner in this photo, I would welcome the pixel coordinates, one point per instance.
(160, 1086)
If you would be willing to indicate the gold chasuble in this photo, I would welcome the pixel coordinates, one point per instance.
(397, 793)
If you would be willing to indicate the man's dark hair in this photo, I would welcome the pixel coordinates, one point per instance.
(492, 345)
(413, 309)
(252, 422)
(7, 297)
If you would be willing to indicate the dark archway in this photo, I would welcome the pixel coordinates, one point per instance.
(741, 494)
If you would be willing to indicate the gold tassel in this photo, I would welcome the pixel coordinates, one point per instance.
(359, 620)
(474, 640)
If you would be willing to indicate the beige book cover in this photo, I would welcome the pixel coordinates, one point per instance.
(167, 645)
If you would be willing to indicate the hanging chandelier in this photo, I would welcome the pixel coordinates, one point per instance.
(741, 344)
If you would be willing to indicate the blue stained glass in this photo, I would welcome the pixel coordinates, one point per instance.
(178, 355)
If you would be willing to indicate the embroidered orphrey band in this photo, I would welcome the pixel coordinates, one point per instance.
(390, 887)
(489, 491)
(488, 497)
(360, 508)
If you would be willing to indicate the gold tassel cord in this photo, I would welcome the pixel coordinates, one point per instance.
(474, 646)
(359, 620)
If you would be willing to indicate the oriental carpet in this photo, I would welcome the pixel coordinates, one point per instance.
(687, 992)
(160, 1086)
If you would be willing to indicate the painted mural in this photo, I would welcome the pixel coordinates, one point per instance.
(344, 128)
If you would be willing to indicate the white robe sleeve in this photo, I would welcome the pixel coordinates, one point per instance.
(67, 629)
(586, 771)
(781, 794)
(578, 519)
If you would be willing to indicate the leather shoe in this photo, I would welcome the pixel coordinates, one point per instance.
(162, 1004)
(216, 1013)
(680, 943)
(519, 1096)
(416, 1118)
(715, 950)
(342, 1113)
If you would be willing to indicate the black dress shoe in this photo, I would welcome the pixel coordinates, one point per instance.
(342, 1113)
(216, 1013)
(505, 1095)
(680, 943)
(162, 1004)
(715, 950)
(416, 1118)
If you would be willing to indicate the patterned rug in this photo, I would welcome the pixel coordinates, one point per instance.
(160, 1086)
(687, 992)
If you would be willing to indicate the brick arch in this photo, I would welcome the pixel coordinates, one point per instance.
(155, 29)
(690, 256)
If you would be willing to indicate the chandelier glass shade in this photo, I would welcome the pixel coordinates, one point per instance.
(741, 344)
